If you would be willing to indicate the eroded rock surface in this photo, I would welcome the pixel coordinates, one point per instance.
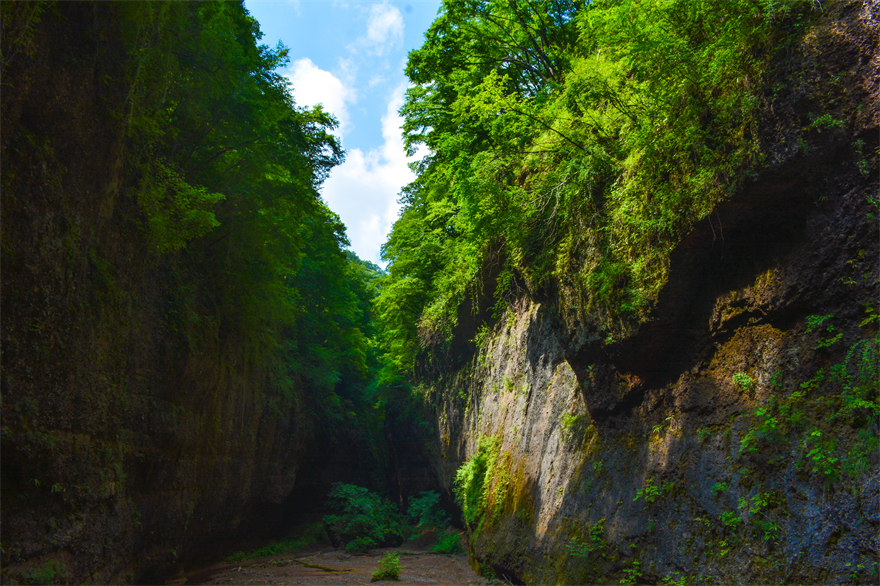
(713, 440)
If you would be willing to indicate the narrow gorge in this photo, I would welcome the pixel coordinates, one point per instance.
(628, 330)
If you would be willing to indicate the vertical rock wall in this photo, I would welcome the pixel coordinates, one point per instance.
(663, 469)
(719, 440)
(123, 447)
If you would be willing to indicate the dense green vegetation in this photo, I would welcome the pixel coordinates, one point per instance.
(224, 169)
(831, 419)
(474, 480)
(364, 520)
(571, 144)
(228, 170)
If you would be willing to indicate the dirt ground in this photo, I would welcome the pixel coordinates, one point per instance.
(320, 566)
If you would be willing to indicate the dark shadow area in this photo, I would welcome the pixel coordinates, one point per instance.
(725, 252)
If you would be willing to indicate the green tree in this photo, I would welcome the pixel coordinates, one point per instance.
(573, 144)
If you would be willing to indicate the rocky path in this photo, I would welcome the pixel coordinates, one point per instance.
(315, 566)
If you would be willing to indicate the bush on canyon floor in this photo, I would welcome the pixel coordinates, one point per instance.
(448, 542)
(425, 513)
(389, 568)
(366, 520)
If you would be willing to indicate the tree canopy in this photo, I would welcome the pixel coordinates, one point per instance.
(227, 169)
(575, 141)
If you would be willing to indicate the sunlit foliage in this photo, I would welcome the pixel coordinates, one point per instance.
(577, 142)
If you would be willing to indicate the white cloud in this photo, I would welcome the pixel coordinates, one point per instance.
(347, 70)
(376, 80)
(385, 25)
(364, 190)
(384, 31)
(312, 86)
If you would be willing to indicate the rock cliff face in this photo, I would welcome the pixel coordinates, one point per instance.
(733, 435)
(721, 438)
(124, 448)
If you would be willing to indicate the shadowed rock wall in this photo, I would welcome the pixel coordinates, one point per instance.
(125, 446)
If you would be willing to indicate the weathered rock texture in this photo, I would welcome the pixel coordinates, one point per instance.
(123, 447)
(631, 458)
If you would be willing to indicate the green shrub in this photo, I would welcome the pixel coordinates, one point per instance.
(821, 458)
(573, 425)
(676, 579)
(633, 573)
(758, 508)
(718, 488)
(424, 511)
(817, 323)
(448, 542)
(360, 544)
(649, 493)
(660, 427)
(389, 568)
(730, 519)
(743, 381)
(594, 544)
(366, 519)
(765, 430)
(825, 122)
(482, 336)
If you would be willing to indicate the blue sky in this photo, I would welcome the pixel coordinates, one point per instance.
(349, 56)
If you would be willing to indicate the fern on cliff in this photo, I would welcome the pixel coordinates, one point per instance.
(474, 481)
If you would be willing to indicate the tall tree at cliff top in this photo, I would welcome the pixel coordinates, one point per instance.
(573, 142)
(228, 171)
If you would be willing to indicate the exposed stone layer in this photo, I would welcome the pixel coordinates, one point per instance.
(564, 469)
(631, 458)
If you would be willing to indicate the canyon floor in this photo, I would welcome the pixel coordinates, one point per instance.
(325, 566)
